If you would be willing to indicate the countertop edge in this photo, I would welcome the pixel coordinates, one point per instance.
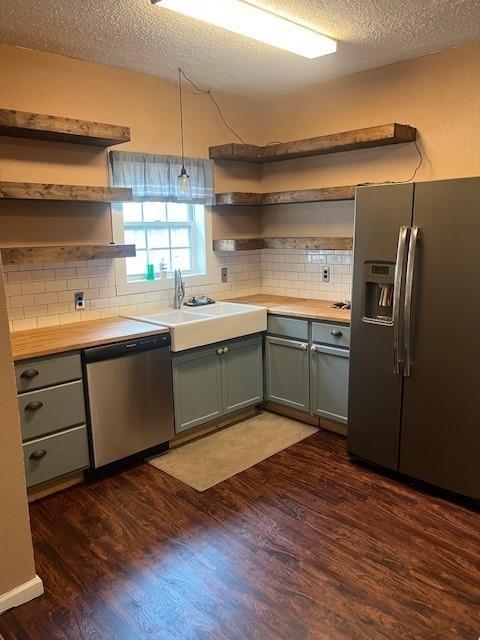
(290, 308)
(76, 345)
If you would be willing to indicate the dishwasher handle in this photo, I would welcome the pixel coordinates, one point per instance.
(130, 347)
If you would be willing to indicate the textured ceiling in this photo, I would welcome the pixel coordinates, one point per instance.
(136, 35)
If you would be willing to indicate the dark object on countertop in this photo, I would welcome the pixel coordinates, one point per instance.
(342, 305)
(199, 302)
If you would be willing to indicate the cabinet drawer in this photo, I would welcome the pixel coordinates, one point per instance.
(35, 374)
(288, 327)
(52, 409)
(334, 334)
(56, 455)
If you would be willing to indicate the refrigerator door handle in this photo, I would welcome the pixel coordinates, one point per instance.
(407, 317)
(397, 294)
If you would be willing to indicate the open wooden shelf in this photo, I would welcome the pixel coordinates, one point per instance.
(23, 124)
(66, 253)
(310, 243)
(377, 136)
(62, 192)
(324, 194)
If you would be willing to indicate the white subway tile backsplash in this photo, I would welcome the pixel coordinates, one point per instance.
(23, 325)
(78, 284)
(21, 301)
(42, 275)
(32, 287)
(13, 290)
(44, 297)
(48, 321)
(56, 285)
(19, 276)
(65, 274)
(35, 311)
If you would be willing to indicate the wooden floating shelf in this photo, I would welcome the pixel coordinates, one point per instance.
(310, 243)
(377, 136)
(324, 194)
(62, 192)
(23, 124)
(66, 253)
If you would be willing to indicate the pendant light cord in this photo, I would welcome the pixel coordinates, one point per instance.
(181, 114)
(209, 93)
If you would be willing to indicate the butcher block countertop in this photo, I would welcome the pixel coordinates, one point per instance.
(68, 337)
(297, 307)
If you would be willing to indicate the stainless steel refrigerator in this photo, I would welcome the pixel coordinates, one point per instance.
(414, 397)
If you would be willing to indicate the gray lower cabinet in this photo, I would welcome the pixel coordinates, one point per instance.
(197, 388)
(329, 382)
(52, 414)
(310, 374)
(287, 372)
(214, 381)
(242, 375)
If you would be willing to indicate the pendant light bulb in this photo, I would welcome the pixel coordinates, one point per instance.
(183, 181)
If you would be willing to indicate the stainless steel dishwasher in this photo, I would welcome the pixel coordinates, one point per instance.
(129, 399)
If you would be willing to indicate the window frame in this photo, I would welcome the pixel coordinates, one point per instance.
(201, 252)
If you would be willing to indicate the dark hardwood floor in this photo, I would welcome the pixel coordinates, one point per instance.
(303, 546)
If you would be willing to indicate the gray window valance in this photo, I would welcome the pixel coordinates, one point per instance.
(154, 177)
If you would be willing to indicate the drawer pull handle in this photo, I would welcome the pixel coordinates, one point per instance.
(34, 406)
(226, 350)
(38, 455)
(28, 374)
(220, 351)
(336, 333)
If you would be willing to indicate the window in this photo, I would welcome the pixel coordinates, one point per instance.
(167, 226)
(164, 234)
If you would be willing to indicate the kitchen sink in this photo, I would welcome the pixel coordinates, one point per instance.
(222, 308)
(208, 324)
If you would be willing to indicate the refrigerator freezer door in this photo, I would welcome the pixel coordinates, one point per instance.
(375, 391)
(440, 433)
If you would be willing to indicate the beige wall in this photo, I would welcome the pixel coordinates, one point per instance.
(439, 94)
(16, 555)
(46, 83)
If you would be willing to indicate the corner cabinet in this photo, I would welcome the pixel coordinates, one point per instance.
(307, 366)
(213, 381)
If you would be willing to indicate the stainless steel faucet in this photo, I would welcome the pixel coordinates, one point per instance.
(179, 290)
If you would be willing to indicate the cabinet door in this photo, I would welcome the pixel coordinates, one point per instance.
(242, 374)
(197, 388)
(287, 372)
(329, 382)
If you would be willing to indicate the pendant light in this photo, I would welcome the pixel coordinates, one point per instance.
(183, 179)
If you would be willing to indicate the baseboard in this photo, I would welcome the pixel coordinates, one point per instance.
(215, 425)
(54, 486)
(289, 412)
(21, 594)
(302, 416)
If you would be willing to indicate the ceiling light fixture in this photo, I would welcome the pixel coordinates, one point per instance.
(249, 20)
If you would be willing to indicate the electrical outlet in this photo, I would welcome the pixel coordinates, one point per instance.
(224, 274)
(79, 297)
(326, 274)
